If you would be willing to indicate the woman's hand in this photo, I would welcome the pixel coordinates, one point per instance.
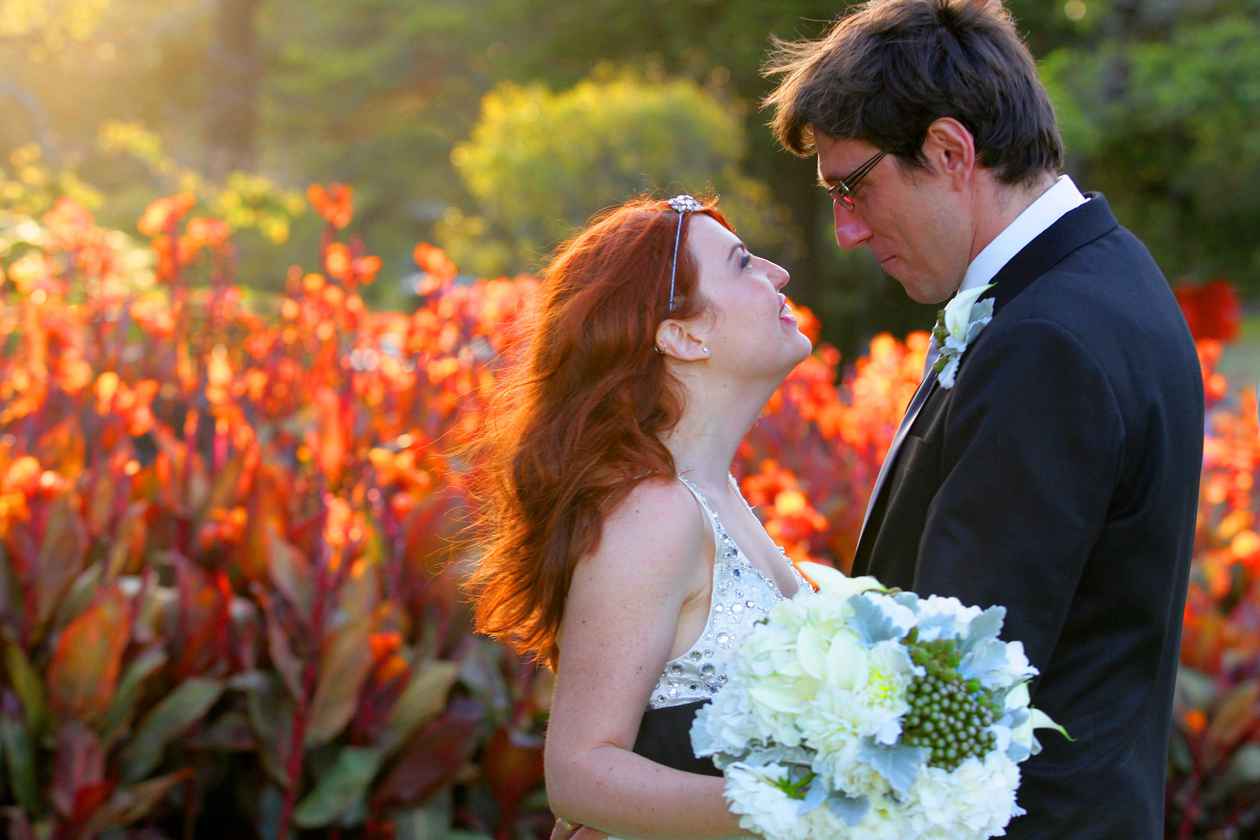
(565, 830)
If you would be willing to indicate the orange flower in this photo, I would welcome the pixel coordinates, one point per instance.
(162, 215)
(334, 203)
(205, 234)
(436, 268)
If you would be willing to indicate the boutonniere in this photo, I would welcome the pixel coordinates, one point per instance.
(957, 325)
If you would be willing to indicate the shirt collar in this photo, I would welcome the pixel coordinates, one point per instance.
(1028, 225)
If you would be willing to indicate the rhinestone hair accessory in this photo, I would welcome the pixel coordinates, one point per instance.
(683, 204)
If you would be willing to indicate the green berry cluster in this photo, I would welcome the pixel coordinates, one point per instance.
(948, 715)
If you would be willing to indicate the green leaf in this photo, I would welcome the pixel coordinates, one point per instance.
(343, 668)
(1246, 764)
(1195, 689)
(285, 661)
(341, 789)
(291, 573)
(1242, 773)
(135, 802)
(78, 596)
(29, 687)
(123, 704)
(19, 760)
(359, 593)
(424, 698)
(1235, 715)
(60, 556)
(271, 718)
(83, 670)
(167, 720)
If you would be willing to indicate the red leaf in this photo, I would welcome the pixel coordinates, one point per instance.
(79, 785)
(431, 759)
(86, 660)
(513, 766)
(61, 554)
(203, 620)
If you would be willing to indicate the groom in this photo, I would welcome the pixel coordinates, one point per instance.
(1057, 474)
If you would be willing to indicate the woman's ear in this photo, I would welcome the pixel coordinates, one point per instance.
(681, 341)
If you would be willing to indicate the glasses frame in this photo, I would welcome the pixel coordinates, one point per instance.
(843, 192)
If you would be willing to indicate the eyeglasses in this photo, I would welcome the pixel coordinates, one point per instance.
(843, 192)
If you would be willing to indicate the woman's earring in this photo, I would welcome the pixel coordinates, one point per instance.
(705, 350)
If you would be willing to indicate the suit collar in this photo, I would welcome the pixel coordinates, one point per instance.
(1073, 230)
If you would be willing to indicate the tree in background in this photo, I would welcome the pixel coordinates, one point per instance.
(1160, 115)
(538, 164)
(1156, 99)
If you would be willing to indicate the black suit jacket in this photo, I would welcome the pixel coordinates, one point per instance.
(1059, 477)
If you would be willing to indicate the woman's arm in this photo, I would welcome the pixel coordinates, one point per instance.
(619, 625)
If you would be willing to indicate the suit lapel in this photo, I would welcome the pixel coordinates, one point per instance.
(926, 387)
(1075, 229)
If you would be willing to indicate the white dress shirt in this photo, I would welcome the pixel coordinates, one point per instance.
(1030, 224)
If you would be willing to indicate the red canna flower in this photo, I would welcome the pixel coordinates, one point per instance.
(334, 203)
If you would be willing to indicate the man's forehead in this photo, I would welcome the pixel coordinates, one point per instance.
(836, 158)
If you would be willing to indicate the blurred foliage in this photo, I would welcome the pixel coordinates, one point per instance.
(1155, 97)
(538, 164)
(1162, 125)
(227, 601)
(225, 606)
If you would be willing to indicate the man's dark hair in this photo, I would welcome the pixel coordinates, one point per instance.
(885, 71)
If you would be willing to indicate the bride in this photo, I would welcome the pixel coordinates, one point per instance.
(618, 548)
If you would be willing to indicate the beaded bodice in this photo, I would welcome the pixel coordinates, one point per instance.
(741, 596)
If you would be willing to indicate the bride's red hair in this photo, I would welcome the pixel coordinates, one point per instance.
(578, 421)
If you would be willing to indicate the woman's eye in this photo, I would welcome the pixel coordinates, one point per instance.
(745, 259)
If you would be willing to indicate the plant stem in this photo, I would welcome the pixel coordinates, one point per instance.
(310, 674)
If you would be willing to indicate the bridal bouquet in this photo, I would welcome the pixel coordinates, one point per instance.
(856, 712)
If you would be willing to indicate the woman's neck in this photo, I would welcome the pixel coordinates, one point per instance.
(714, 421)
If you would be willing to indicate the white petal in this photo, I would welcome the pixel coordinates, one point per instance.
(958, 310)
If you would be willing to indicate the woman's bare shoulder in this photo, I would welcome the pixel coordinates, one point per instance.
(660, 525)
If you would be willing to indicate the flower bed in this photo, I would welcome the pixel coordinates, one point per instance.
(227, 526)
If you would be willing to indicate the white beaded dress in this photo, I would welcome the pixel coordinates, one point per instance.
(741, 596)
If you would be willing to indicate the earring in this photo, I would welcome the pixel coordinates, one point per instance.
(705, 350)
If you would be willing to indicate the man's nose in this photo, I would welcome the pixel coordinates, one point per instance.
(851, 231)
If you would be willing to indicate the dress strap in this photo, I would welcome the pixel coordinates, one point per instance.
(714, 522)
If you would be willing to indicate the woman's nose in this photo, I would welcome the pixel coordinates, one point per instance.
(778, 275)
(851, 230)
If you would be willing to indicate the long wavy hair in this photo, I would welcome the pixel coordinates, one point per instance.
(578, 422)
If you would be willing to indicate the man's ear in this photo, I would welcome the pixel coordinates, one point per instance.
(682, 341)
(950, 149)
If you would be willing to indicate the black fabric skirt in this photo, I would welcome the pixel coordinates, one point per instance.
(665, 737)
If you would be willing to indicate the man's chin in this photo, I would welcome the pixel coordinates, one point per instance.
(917, 293)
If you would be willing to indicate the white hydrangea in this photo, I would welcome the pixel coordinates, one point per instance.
(727, 724)
(763, 808)
(976, 800)
(937, 613)
(824, 683)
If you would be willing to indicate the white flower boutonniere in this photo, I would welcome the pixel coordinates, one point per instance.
(957, 326)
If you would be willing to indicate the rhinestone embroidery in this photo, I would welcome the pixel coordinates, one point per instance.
(738, 602)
